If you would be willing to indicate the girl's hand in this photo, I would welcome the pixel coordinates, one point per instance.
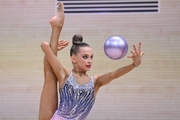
(136, 55)
(62, 44)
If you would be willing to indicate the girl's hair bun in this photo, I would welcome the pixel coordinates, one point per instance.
(77, 39)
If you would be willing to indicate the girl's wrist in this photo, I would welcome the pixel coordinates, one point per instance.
(133, 65)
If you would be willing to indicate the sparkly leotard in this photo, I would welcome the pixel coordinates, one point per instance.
(76, 100)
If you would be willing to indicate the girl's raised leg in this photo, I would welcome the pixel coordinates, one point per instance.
(49, 95)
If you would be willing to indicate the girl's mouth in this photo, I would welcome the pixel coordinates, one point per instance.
(89, 66)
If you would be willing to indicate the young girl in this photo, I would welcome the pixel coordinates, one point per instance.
(78, 90)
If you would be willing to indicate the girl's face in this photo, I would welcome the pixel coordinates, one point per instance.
(84, 58)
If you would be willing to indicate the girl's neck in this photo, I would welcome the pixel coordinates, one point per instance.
(80, 73)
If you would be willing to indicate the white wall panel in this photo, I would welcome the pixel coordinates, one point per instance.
(149, 92)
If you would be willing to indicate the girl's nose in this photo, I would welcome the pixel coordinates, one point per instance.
(90, 60)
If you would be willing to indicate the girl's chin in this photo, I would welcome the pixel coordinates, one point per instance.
(88, 69)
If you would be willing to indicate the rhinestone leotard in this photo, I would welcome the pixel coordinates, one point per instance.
(76, 100)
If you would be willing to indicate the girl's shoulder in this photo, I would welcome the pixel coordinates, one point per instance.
(67, 71)
(95, 77)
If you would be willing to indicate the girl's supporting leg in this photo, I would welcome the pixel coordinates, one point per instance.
(49, 95)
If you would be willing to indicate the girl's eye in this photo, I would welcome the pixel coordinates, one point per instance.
(85, 57)
(91, 57)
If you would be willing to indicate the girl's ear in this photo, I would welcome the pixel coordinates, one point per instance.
(73, 59)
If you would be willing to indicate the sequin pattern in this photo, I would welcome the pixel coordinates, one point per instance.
(76, 100)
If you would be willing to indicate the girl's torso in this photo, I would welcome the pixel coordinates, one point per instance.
(96, 87)
(76, 100)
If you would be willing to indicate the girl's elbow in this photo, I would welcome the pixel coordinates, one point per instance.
(113, 76)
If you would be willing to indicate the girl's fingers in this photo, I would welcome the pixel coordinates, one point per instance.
(139, 48)
(63, 43)
(129, 56)
(142, 53)
(133, 54)
(67, 43)
(135, 50)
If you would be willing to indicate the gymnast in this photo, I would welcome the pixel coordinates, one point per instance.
(77, 89)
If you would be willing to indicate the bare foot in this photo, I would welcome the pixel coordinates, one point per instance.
(58, 19)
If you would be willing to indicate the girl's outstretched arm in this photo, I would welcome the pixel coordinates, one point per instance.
(108, 77)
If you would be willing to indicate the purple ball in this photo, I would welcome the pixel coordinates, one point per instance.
(115, 47)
